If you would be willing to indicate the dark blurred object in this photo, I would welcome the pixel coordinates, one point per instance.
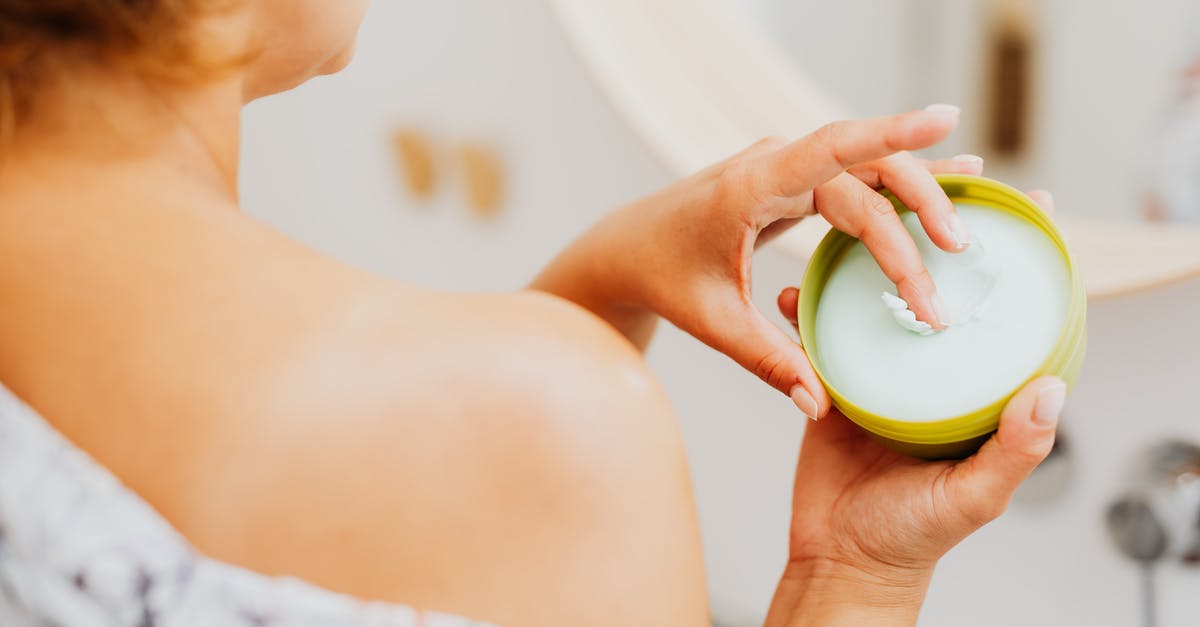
(1135, 530)
(1138, 535)
(1009, 67)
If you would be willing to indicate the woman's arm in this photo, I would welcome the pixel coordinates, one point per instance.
(584, 274)
(822, 593)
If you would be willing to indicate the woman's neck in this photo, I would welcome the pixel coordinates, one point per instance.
(103, 128)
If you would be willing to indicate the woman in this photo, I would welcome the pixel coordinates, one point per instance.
(502, 456)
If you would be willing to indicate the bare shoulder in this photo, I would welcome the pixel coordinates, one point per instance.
(487, 455)
(418, 360)
(416, 345)
(529, 334)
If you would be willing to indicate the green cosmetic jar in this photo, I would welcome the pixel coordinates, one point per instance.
(945, 432)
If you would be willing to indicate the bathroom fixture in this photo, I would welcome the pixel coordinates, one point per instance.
(1158, 518)
(1165, 489)
(1170, 482)
(1138, 534)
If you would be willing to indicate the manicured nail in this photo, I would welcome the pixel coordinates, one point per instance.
(1050, 404)
(971, 159)
(1044, 194)
(804, 401)
(939, 310)
(947, 109)
(958, 230)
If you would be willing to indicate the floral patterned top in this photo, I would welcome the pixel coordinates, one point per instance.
(78, 549)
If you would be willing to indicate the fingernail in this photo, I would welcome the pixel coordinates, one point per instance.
(1050, 404)
(804, 401)
(972, 159)
(947, 109)
(939, 310)
(958, 230)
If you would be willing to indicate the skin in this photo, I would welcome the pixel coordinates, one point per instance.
(503, 456)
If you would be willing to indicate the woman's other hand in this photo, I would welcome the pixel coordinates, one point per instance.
(868, 524)
(685, 252)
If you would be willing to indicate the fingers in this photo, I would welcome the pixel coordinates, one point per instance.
(911, 180)
(982, 485)
(799, 167)
(859, 211)
(1044, 200)
(915, 186)
(788, 302)
(764, 349)
(766, 145)
(958, 164)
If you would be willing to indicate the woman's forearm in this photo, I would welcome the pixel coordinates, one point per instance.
(637, 325)
(832, 595)
(591, 275)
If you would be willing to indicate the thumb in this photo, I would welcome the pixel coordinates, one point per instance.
(984, 483)
(764, 349)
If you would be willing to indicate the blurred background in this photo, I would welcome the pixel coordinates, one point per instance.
(1075, 95)
(469, 142)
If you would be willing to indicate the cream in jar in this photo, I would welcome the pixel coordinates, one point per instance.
(1008, 309)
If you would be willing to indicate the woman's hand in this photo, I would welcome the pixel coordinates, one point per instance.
(869, 524)
(685, 252)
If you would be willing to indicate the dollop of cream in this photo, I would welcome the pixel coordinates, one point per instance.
(905, 316)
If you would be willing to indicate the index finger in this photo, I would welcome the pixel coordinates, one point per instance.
(808, 162)
(861, 212)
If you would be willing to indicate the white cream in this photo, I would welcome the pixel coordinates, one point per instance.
(905, 317)
(892, 365)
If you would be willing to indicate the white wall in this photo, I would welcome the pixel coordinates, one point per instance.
(318, 161)
(317, 164)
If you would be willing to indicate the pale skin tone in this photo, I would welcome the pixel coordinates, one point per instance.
(503, 456)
